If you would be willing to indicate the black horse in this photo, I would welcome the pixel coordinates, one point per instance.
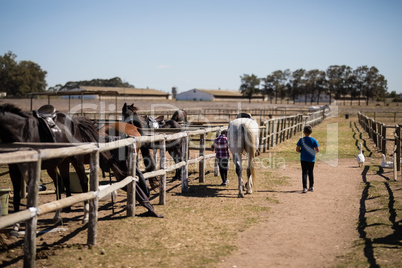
(44, 125)
(174, 148)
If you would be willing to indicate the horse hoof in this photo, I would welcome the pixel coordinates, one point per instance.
(241, 195)
(57, 220)
(14, 233)
(150, 213)
(85, 221)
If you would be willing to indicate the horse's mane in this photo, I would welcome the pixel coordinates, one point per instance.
(11, 108)
(133, 108)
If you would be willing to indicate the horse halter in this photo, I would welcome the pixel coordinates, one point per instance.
(129, 120)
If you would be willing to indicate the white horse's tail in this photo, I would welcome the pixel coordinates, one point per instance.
(251, 147)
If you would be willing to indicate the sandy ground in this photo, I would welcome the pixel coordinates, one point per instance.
(305, 230)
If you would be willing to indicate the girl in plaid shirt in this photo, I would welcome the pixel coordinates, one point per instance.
(221, 148)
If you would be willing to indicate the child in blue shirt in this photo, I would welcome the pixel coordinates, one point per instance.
(307, 147)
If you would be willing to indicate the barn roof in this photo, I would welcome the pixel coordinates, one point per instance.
(221, 93)
(128, 91)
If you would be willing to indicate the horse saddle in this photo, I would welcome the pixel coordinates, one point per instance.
(244, 115)
(48, 129)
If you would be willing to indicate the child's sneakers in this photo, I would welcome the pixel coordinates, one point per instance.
(311, 189)
(304, 190)
(225, 183)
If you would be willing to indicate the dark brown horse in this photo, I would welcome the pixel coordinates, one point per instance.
(19, 126)
(130, 115)
(180, 116)
(116, 160)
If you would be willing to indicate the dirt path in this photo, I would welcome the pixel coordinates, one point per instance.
(305, 230)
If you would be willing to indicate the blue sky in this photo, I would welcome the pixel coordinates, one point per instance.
(200, 44)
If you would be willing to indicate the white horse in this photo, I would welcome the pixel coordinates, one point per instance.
(318, 108)
(243, 138)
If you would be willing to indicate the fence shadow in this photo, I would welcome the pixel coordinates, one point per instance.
(380, 173)
(364, 142)
(393, 240)
(368, 243)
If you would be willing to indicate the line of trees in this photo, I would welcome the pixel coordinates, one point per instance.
(112, 82)
(18, 79)
(339, 81)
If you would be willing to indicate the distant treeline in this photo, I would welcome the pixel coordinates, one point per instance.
(337, 81)
(113, 82)
(18, 79)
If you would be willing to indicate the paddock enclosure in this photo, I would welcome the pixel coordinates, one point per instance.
(197, 135)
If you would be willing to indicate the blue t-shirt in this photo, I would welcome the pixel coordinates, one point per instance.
(307, 145)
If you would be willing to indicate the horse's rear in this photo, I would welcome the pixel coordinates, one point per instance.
(243, 138)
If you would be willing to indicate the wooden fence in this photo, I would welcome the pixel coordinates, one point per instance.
(272, 132)
(377, 131)
(386, 116)
(41, 153)
(199, 115)
(278, 130)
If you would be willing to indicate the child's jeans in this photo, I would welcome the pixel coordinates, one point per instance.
(307, 171)
(223, 168)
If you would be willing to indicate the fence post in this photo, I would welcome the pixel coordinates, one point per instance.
(132, 158)
(93, 203)
(201, 164)
(398, 146)
(261, 135)
(162, 163)
(283, 129)
(396, 160)
(184, 169)
(266, 136)
(272, 133)
(32, 203)
(278, 128)
(384, 139)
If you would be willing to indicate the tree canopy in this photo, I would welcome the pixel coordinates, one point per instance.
(249, 85)
(18, 79)
(339, 81)
(112, 82)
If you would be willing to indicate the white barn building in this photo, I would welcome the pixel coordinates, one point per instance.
(195, 95)
(213, 95)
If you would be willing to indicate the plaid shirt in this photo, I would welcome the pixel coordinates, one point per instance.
(221, 147)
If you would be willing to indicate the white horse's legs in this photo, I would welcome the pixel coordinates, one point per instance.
(249, 183)
(86, 213)
(239, 170)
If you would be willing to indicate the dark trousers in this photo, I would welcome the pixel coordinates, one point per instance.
(223, 164)
(307, 171)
